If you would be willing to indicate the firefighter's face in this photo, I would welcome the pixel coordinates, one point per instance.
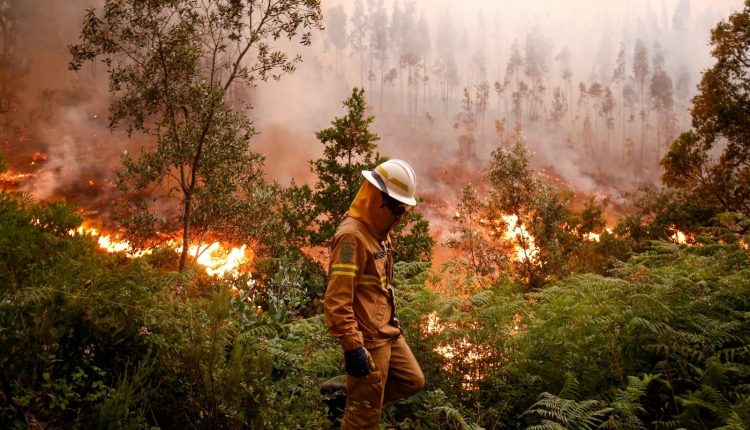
(395, 207)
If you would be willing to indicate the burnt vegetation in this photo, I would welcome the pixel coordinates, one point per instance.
(549, 317)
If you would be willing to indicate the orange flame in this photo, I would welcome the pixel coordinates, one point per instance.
(469, 353)
(679, 237)
(14, 177)
(216, 259)
(592, 237)
(109, 243)
(523, 242)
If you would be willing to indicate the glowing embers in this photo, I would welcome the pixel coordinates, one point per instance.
(680, 237)
(38, 157)
(14, 178)
(216, 259)
(473, 360)
(592, 237)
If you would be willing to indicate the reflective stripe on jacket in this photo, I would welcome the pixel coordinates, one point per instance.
(359, 302)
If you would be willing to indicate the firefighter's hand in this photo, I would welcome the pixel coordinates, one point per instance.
(358, 362)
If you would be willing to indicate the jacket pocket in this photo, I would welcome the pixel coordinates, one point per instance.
(379, 315)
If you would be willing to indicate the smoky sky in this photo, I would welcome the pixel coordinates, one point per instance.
(590, 32)
(414, 114)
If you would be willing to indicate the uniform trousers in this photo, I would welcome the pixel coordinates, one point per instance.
(397, 375)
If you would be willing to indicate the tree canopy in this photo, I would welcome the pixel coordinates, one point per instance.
(720, 126)
(171, 66)
(313, 214)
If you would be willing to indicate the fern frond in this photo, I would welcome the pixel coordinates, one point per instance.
(338, 379)
(707, 398)
(257, 332)
(570, 414)
(454, 414)
(734, 422)
(547, 425)
(571, 389)
(735, 355)
(658, 328)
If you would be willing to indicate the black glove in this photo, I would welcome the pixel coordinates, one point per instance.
(357, 363)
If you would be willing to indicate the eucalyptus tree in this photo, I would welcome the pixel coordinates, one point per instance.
(640, 73)
(358, 36)
(171, 66)
(618, 78)
(711, 163)
(337, 32)
(662, 98)
(379, 41)
(535, 64)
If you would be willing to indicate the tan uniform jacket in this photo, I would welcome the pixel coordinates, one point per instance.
(359, 301)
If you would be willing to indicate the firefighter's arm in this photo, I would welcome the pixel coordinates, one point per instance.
(344, 271)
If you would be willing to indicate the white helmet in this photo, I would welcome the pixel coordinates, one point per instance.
(396, 178)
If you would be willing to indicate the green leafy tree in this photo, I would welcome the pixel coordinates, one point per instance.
(476, 235)
(349, 148)
(171, 66)
(549, 236)
(721, 122)
(412, 237)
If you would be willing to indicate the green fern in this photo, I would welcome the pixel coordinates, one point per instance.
(569, 414)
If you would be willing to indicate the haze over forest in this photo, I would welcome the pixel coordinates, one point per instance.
(578, 257)
(599, 89)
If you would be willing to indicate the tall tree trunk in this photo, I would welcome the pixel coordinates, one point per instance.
(643, 131)
(382, 78)
(187, 207)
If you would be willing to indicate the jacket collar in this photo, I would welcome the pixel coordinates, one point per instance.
(368, 208)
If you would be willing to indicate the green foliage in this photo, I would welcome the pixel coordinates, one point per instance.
(429, 410)
(313, 214)
(349, 149)
(528, 228)
(662, 341)
(171, 65)
(101, 340)
(413, 239)
(659, 214)
(93, 340)
(486, 256)
(719, 115)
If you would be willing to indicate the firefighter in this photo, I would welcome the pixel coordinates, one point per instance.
(359, 304)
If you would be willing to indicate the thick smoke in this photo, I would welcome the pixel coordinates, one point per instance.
(414, 58)
(559, 44)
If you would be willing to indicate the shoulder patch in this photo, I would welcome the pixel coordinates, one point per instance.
(347, 252)
(380, 254)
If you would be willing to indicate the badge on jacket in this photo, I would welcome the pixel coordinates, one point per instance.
(380, 254)
(347, 252)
